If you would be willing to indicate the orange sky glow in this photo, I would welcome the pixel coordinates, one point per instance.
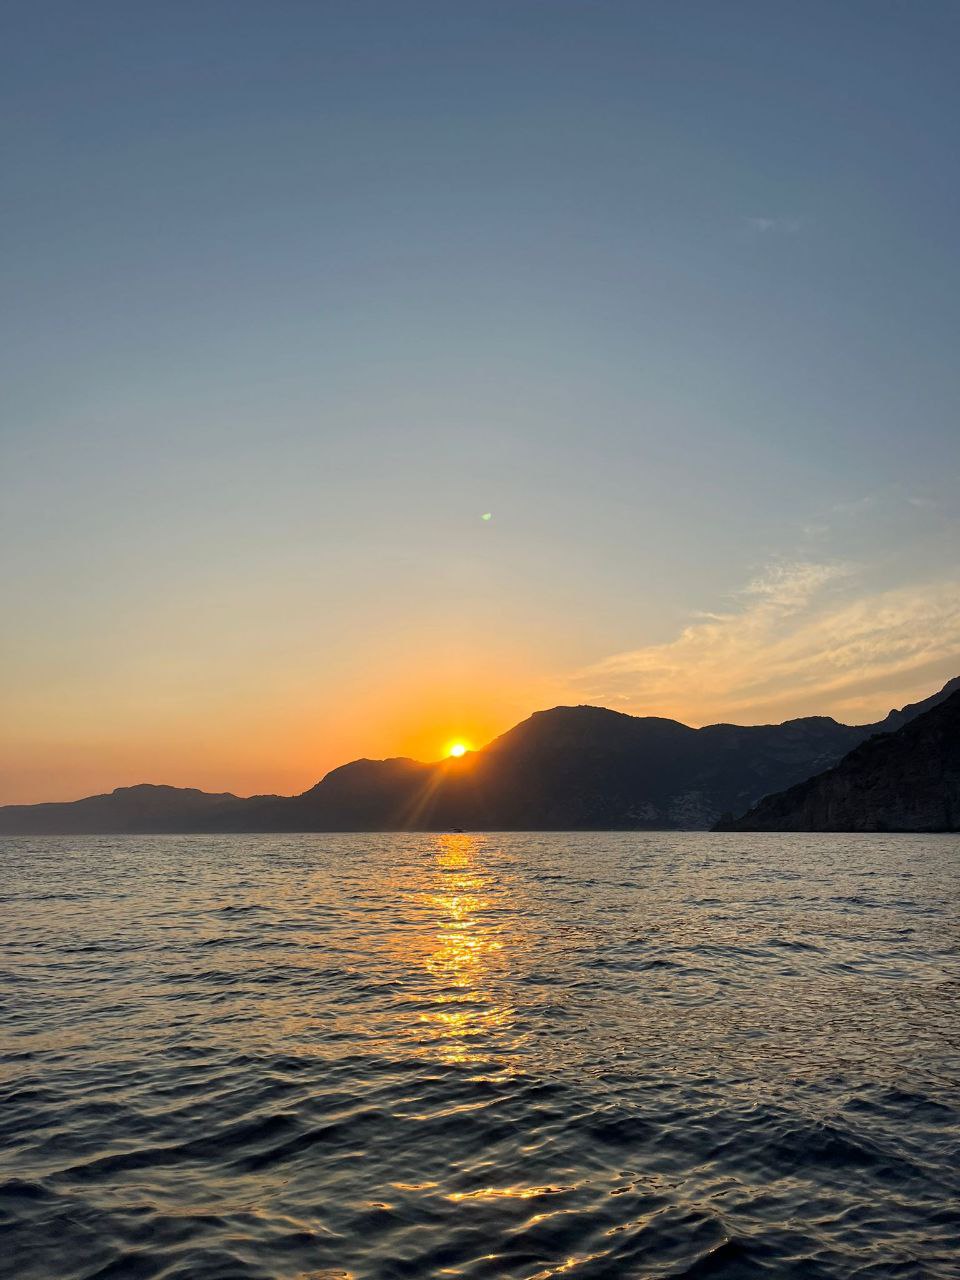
(282, 741)
(371, 384)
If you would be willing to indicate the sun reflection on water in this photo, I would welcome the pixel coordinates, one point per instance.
(456, 956)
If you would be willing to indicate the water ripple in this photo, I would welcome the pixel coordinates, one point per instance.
(584, 1056)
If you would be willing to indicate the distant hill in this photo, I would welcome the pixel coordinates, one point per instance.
(907, 780)
(570, 768)
(140, 809)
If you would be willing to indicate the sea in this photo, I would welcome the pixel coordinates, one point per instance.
(355, 1057)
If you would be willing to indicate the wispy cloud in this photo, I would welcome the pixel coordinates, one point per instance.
(857, 506)
(801, 638)
(787, 225)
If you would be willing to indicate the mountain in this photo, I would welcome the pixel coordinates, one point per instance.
(141, 809)
(907, 780)
(568, 768)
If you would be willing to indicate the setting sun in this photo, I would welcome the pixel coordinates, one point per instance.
(457, 749)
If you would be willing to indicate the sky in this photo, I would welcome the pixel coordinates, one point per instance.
(294, 294)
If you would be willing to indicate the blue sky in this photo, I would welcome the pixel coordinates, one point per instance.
(296, 291)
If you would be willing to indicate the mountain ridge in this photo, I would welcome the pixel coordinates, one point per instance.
(907, 779)
(566, 767)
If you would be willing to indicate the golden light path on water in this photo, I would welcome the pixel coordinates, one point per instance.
(460, 1016)
(458, 948)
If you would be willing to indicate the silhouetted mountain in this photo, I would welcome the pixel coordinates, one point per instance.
(565, 769)
(897, 719)
(907, 780)
(365, 795)
(140, 809)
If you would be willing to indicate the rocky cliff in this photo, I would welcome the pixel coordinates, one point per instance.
(907, 780)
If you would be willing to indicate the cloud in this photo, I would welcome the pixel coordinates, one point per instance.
(789, 585)
(787, 226)
(799, 639)
(857, 506)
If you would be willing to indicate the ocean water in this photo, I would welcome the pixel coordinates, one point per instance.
(609, 1055)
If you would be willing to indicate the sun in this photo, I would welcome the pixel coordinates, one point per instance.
(457, 749)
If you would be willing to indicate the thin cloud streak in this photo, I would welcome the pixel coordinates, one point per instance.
(800, 640)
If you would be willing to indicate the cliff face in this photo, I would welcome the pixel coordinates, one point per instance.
(908, 780)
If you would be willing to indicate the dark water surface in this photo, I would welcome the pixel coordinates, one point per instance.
(322, 1057)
